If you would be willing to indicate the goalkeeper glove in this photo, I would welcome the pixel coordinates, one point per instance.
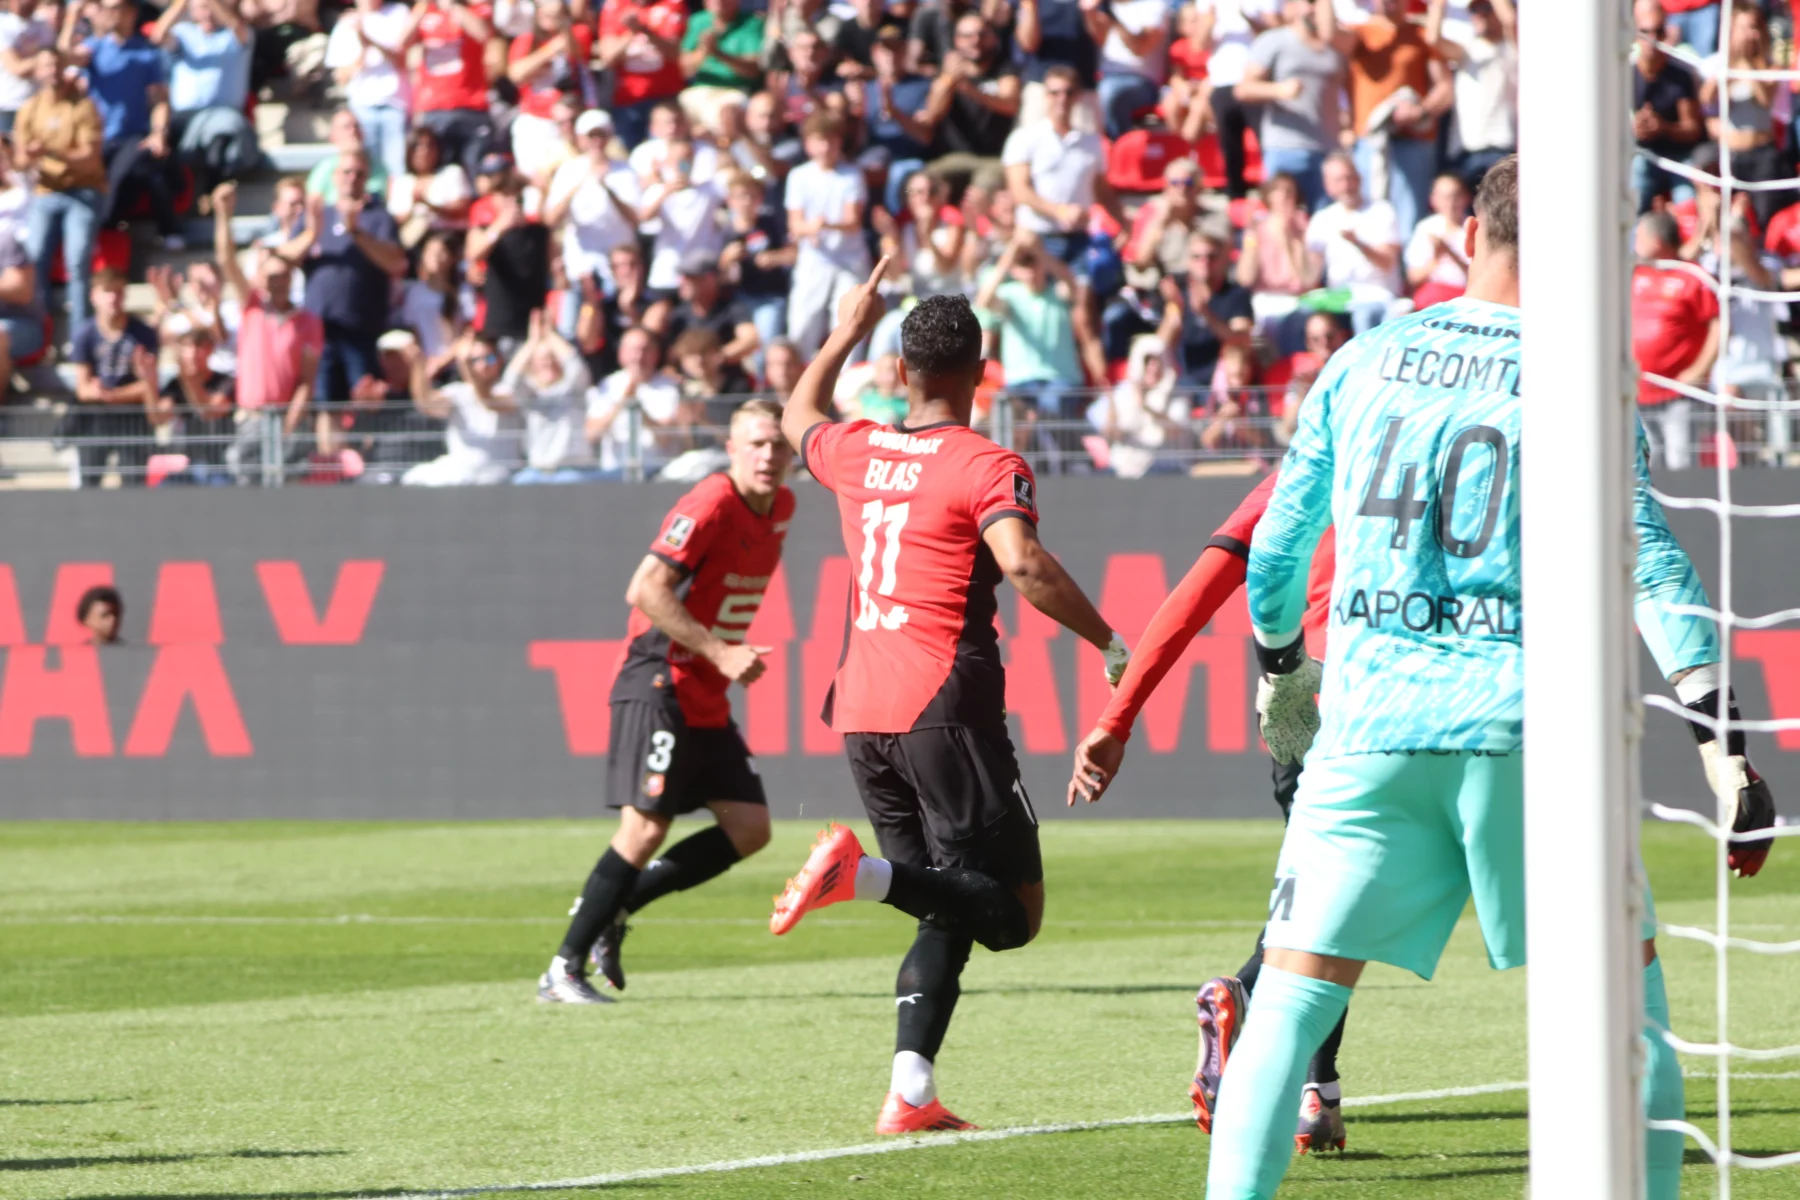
(1286, 709)
(1728, 772)
(1118, 656)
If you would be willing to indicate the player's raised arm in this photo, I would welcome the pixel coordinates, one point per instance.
(810, 403)
(1685, 645)
(653, 592)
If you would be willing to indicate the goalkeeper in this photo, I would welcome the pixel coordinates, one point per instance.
(1412, 798)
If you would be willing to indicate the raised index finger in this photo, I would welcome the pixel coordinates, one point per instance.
(880, 270)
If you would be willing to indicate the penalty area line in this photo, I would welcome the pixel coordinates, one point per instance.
(898, 1144)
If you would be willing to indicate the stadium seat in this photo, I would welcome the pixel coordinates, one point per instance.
(1136, 162)
(112, 248)
(1783, 238)
(42, 352)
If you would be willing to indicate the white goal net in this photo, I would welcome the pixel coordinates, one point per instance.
(1585, 706)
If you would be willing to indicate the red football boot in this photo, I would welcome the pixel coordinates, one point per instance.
(829, 877)
(897, 1116)
(1220, 1005)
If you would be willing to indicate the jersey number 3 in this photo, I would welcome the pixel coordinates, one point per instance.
(1404, 508)
(881, 523)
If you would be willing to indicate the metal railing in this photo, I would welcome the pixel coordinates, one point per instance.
(1069, 431)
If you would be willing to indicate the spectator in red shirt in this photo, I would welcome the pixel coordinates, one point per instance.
(547, 64)
(640, 43)
(450, 92)
(1674, 334)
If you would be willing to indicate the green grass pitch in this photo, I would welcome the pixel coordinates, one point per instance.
(321, 1011)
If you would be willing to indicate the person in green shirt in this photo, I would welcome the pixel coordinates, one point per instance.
(1027, 299)
(345, 134)
(721, 58)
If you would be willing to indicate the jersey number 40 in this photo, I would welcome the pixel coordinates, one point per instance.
(881, 523)
(1404, 508)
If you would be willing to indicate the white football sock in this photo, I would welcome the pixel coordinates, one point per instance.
(1333, 1091)
(912, 1074)
(873, 878)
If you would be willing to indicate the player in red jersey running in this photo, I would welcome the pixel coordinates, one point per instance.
(1288, 722)
(934, 516)
(674, 746)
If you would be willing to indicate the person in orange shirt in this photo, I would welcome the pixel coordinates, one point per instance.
(1399, 87)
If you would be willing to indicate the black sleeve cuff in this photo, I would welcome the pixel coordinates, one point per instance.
(1281, 660)
(680, 566)
(1230, 545)
(806, 440)
(1707, 709)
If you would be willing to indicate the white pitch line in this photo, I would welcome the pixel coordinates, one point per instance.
(893, 1145)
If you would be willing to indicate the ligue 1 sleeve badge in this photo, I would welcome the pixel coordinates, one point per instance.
(653, 784)
(1022, 492)
(679, 530)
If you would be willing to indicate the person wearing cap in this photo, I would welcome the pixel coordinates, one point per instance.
(489, 172)
(705, 303)
(450, 86)
(592, 199)
(721, 59)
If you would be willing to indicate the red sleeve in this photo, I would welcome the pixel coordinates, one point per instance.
(689, 529)
(1234, 535)
(1003, 487)
(818, 446)
(1209, 583)
(521, 46)
(1706, 304)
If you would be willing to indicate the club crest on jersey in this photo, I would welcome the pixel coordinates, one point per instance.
(680, 529)
(1022, 492)
(653, 785)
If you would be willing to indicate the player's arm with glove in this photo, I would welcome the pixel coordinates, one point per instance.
(653, 592)
(1215, 575)
(1685, 645)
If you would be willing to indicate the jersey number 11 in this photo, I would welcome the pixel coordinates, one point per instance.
(878, 516)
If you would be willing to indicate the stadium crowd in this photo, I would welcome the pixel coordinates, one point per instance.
(550, 234)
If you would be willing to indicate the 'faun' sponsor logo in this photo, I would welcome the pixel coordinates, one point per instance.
(1499, 331)
(1462, 372)
(905, 443)
(1423, 612)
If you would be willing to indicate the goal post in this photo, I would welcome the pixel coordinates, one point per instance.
(1584, 982)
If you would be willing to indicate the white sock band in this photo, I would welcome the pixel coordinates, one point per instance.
(913, 1077)
(873, 878)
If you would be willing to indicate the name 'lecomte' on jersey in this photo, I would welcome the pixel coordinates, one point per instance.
(1409, 446)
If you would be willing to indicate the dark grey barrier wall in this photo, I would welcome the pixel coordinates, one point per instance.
(388, 653)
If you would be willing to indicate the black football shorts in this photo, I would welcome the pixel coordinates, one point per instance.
(948, 797)
(655, 763)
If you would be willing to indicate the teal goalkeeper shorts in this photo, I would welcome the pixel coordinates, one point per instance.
(1383, 850)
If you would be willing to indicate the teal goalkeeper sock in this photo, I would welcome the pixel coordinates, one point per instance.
(1253, 1134)
(1663, 1096)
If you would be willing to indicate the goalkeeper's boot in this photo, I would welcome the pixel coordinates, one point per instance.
(1321, 1125)
(897, 1116)
(829, 877)
(1220, 1005)
(603, 959)
(564, 984)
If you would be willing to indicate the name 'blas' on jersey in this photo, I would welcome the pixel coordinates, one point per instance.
(1425, 618)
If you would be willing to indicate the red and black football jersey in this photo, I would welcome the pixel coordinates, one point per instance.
(922, 650)
(1235, 534)
(728, 553)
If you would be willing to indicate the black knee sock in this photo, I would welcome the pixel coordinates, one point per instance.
(1252, 968)
(926, 990)
(688, 863)
(1323, 1068)
(961, 901)
(600, 902)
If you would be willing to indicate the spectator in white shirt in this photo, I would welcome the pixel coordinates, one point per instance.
(1134, 58)
(1056, 174)
(593, 199)
(639, 381)
(367, 51)
(825, 199)
(1435, 267)
(26, 26)
(1360, 243)
(432, 195)
(1484, 124)
(548, 381)
(1230, 26)
(687, 216)
(485, 436)
(667, 121)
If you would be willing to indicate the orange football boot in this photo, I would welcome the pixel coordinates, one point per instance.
(829, 877)
(897, 1116)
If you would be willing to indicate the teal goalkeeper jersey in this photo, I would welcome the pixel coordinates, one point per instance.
(1409, 444)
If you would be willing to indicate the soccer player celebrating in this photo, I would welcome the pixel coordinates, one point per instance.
(1413, 793)
(936, 515)
(674, 747)
(1288, 730)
